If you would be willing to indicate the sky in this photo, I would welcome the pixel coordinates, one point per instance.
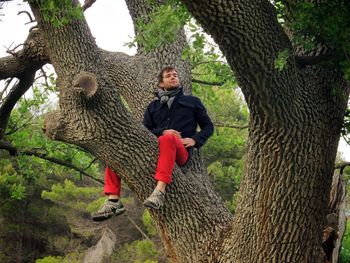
(109, 21)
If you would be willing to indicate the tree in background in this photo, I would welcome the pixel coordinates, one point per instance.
(296, 95)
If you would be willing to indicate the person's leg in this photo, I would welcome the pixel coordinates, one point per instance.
(112, 187)
(171, 150)
(112, 206)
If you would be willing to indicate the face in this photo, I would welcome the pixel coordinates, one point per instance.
(170, 80)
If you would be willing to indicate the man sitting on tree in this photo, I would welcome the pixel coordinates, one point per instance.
(173, 118)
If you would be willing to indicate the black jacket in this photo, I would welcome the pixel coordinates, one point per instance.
(183, 116)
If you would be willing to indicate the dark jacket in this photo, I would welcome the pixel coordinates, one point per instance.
(183, 116)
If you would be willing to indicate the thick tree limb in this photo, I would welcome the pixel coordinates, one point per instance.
(45, 156)
(25, 82)
(31, 57)
(251, 51)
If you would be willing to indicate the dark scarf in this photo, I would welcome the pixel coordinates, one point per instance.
(168, 96)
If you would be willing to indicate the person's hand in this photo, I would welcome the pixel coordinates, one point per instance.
(173, 132)
(188, 142)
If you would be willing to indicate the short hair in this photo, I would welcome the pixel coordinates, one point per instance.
(165, 69)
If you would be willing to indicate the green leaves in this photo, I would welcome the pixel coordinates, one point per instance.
(149, 223)
(161, 27)
(281, 60)
(139, 251)
(59, 12)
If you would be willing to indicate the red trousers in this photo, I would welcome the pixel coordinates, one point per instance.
(171, 150)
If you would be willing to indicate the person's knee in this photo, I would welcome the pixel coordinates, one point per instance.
(169, 138)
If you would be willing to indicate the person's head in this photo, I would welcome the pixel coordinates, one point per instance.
(168, 78)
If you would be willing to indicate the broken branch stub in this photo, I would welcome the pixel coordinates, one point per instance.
(86, 83)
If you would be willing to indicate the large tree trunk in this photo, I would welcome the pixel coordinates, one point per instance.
(293, 135)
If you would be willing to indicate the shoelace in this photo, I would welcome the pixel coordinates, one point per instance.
(106, 208)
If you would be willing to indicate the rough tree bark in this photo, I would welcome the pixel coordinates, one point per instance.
(293, 135)
(294, 130)
(92, 116)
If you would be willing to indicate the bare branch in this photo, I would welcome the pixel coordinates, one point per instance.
(207, 82)
(88, 3)
(30, 16)
(137, 227)
(45, 156)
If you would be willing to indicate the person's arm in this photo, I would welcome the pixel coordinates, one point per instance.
(205, 123)
(149, 124)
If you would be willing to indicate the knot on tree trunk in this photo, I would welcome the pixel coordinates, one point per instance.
(86, 83)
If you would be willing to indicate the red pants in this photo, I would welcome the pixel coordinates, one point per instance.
(171, 150)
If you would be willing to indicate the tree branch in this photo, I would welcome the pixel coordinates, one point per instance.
(43, 155)
(29, 15)
(207, 82)
(7, 84)
(15, 94)
(341, 166)
(233, 126)
(313, 60)
(88, 3)
(31, 57)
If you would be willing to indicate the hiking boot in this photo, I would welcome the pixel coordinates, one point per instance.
(155, 200)
(107, 210)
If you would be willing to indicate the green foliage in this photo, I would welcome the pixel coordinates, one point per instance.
(281, 60)
(345, 247)
(325, 22)
(71, 196)
(25, 217)
(13, 185)
(59, 12)
(224, 151)
(161, 26)
(24, 132)
(139, 251)
(346, 126)
(70, 258)
(148, 223)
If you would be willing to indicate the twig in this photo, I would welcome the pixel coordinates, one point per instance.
(30, 16)
(137, 227)
(93, 161)
(16, 128)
